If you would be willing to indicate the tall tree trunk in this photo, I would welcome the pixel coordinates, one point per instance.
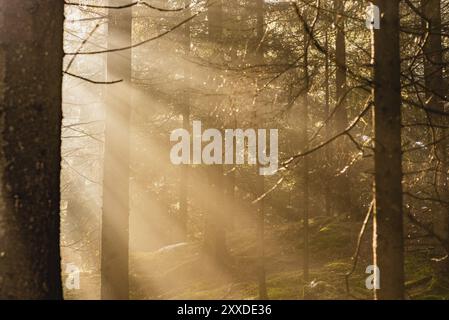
(260, 210)
(328, 133)
(340, 61)
(183, 194)
(435, 93)
(341, 114)
(215, 234)
(31, 53)
(260, 230)
(183, 184)
(304, 124)
(115, 218)
(388, 243)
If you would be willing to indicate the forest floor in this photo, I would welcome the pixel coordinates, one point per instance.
(181, 272)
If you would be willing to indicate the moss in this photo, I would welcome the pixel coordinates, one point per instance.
(418, 267)
(331, 245)
(331, 237)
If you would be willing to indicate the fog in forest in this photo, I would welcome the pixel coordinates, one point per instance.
(240, 149)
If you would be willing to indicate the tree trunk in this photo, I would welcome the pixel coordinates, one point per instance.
(328, 133)
(183, 184)
(340, 61)
(31, 53)
(341, 114)
(304, 124)
(183, 192)
(260, 209)
(115, 218)
(388, 243)
(215, 235)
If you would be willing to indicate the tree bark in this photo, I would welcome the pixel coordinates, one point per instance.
(341, 115)
(184, 179)
(328, 132)
(31, 53)
(388, 243)
(115, 217)
(304, 124)
(260, 209)
(215, 234)
(340, 61)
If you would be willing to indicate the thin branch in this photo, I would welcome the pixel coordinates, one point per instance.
(276, 185)
(344, 132)
(129, 5)
(83, 43)
(90, 80)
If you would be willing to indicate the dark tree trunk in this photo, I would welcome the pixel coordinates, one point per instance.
(388, 243)
(115, 218)
(341, 115)
(31, 53)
